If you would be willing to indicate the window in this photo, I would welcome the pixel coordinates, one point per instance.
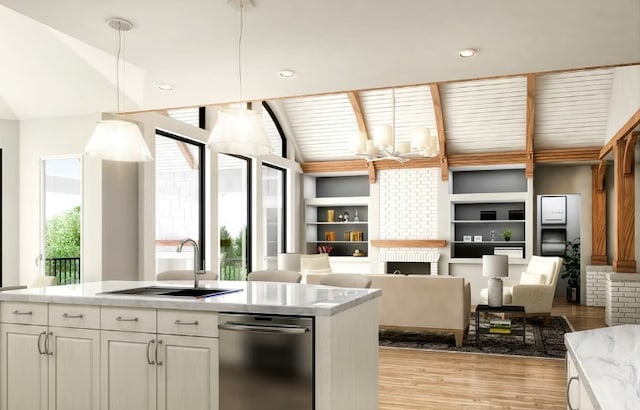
(273, 214)
(180, 207)
(62, 189)
(274, 131)
(234, 199)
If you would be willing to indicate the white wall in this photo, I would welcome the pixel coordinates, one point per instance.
(9, 144)
(561, 180)
(625, 98)
(57, 137)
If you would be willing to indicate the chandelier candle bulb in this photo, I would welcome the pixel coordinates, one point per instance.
(402, 147)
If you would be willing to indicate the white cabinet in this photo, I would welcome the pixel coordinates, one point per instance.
(149, 370)
(74, 368)
(49, 367)
(187, 373)
(577, 395)
(24, 367)
(128, 371)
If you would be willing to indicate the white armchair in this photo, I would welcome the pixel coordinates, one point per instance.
(536, 288)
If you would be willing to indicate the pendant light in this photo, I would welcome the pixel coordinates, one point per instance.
(239, 130)
(118, 140)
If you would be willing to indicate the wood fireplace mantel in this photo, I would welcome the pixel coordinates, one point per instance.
(409, 243)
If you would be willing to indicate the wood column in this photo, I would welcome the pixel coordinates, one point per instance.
(623, 152)
(598, 214)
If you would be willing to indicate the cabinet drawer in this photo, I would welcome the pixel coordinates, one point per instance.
(128, 319)
(24, 313)
(185, 322)
(82, 316)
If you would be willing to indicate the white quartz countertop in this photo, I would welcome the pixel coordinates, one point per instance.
(608, 361)
(252, 297)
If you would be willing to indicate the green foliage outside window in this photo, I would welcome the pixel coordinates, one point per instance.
(232, 250)
(62, 235)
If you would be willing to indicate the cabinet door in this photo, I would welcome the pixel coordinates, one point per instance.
(74, 369)
(23, 381)
(187, 373)
(573, 385)
(128, 371)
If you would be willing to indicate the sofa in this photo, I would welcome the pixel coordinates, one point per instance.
(439, 304)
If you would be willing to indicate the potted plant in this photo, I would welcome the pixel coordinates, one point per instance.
(506, 234)
(572, 270)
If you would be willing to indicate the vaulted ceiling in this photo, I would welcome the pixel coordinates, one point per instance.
(58, 60)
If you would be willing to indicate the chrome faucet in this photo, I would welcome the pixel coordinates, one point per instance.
(196, 258)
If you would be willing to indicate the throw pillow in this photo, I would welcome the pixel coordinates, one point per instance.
(532, 279)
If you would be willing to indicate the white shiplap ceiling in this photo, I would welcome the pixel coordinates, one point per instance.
(58, 60)
(485, 116)
(572, 109)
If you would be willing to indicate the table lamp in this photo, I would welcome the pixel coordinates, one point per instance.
(495, 267)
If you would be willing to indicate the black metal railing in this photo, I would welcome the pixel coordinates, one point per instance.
(66, 270)
(232, 269)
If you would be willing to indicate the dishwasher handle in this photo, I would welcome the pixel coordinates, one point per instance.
(244, 327)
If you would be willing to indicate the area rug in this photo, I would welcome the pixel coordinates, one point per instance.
(541, 340)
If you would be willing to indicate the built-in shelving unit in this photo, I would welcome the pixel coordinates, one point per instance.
(324, 216)
(483, 204)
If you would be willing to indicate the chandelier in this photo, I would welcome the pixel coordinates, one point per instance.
(383, 144)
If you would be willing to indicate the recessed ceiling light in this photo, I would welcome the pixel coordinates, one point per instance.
(467, 52)
(287, 73)
(165, 87)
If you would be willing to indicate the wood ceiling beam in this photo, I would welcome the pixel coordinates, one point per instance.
(531, 115)
(629, 151)
(628, 126)
(353, 165)
(566, 155)
(356, 105)
(188, 156)
(555, 156)
(489, 158)
(437, 110)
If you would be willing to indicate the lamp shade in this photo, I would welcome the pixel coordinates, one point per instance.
(239, 131)
(118, 140)
(495, 266)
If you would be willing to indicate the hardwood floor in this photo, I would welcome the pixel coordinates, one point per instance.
(415, 379)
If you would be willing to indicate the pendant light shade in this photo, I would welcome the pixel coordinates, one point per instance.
(118, 140)
(239, 131)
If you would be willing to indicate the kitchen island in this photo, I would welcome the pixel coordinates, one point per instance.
(80, 347)
(603, 368)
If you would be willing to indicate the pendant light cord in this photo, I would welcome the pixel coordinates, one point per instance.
(118, 71)
(240, 48)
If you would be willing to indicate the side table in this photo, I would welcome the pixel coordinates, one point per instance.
(500, 309)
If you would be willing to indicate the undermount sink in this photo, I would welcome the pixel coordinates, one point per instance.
(172, 291)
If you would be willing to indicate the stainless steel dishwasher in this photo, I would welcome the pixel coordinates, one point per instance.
(266, 362)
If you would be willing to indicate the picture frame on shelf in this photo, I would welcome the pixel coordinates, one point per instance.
(477, 238)
(516, 215)
(466, 238)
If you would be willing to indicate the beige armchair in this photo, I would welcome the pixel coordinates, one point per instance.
(340, 280)
(536, 288)
(275, 276)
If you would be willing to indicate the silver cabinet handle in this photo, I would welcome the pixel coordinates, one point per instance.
(158, 347)
(124, 319)
(571, 380)
(243, 327)
(149, 359)
(68, 316)
(40, 342)
(179, 322)
(28, 312)
(46, 344)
